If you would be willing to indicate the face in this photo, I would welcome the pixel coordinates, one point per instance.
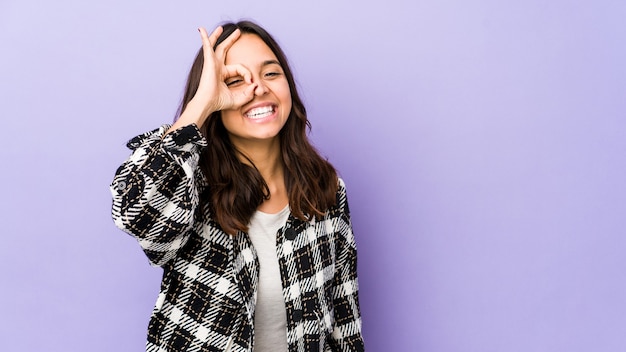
(262, 118)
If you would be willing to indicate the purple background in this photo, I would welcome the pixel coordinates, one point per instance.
(482, 144)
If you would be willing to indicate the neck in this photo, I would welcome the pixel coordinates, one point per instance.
(266, 156)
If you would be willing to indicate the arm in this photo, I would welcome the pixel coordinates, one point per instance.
(346, 335)
(155, 191)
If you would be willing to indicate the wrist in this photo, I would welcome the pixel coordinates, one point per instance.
(196, 112)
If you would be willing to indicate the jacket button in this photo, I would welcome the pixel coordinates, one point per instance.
(121, 186)
(290, 234)
(297, 315)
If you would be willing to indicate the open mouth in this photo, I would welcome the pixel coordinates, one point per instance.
(260, 112)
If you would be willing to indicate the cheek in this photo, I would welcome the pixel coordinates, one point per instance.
(287, 102)
(229, 119)
(285, 96)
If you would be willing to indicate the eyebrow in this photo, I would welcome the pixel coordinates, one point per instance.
(270, 62)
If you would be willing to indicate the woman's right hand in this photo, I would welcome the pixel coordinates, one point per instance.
(213, 94)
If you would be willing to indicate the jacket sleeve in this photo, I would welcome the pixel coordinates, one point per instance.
(346, 335)
(155, 191)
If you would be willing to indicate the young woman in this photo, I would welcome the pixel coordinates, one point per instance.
(250, 224)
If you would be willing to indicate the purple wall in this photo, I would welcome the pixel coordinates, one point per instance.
(483, 146)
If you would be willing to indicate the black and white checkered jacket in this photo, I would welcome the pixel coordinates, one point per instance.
(208, 293)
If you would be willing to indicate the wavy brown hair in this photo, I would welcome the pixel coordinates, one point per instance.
(237, 189)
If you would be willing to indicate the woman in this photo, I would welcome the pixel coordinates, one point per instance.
(249, 223)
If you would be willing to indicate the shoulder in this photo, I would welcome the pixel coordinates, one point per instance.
(342, 196)
(341, 183)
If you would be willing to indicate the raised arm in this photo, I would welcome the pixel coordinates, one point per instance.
(155, 191)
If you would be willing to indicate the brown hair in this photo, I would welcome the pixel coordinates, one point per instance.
(236, 189)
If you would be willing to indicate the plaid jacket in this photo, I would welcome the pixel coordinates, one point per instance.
(208, 292)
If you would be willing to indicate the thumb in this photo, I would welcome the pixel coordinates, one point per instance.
(246, 95)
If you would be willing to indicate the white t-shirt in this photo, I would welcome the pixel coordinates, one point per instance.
(270, 320)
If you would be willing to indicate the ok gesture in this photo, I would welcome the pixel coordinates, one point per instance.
(213, 94)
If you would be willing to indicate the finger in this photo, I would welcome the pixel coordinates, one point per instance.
(245, 96)
(214, 35)
(250, 90)
(208, 40)
(223, 47)
(237, 70)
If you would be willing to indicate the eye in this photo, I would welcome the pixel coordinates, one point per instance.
(234, 81)
(273, 74)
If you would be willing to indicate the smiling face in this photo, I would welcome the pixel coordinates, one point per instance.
(262, 118)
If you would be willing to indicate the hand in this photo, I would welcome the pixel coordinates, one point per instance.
(213, 94)
(212, 88)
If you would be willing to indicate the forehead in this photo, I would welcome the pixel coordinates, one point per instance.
(249, 50)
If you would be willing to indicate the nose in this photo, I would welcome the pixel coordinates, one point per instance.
(261, 89)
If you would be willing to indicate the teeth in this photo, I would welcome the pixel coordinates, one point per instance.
(258, 113)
